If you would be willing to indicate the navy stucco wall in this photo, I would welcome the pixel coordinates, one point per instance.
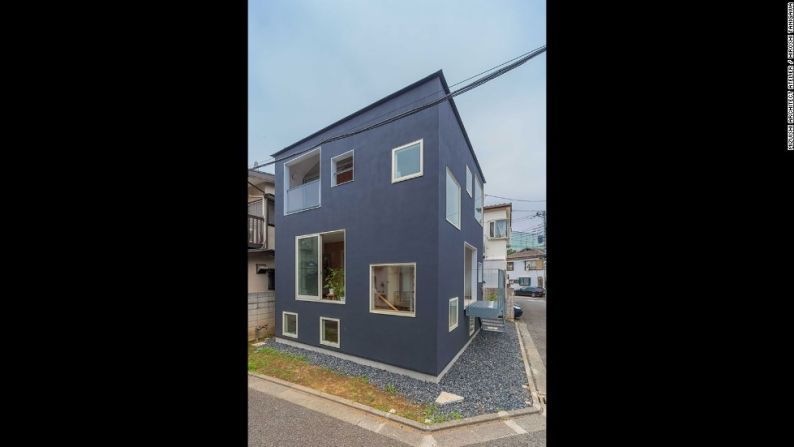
(454, 154)
(384, 223)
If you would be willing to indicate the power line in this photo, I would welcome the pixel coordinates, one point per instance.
(514, 200)
(460, 91)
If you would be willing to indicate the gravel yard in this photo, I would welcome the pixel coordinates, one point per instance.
(489, 375)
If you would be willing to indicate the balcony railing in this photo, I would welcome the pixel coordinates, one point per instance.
(303, 197)
(256, 231)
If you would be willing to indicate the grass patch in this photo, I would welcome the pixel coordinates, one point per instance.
(432, 412)
(294, 368)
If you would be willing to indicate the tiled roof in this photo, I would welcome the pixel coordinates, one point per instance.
(528, 253)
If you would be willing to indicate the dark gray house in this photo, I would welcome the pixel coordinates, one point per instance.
(380, 235)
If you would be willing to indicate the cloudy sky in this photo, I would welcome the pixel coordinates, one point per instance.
(312, 62)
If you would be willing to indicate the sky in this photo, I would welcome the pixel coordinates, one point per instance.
(312, 62)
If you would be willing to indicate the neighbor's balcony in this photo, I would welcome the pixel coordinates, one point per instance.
(256, 231)
(303, 197)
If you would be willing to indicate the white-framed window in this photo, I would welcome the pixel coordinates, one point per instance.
(302, 179)
(453, 313)
(453, 200)
(342, 168)
(392, 289)
(320, 267)
(289, 324)
(478, 201)
(330, 331)
(469, 180)
(407, 161)
(471, 325)
(497, 229)
(479, 272)
(469, 274)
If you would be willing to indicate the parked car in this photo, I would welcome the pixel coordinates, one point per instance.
(517, 311)
(530, 291)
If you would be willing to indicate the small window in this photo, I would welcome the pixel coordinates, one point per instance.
(471, 325)
(469, 180)
(498, 229)
(453, 313)
(329, 331)
(479, 272)
(406, 162)
(478, 201)
(453, 200)
(271, 279)
(509, 266)
(525, 281)
(342, 167)
(289, 324)
(393, 289)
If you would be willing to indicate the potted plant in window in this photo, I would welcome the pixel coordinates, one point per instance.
(335, 283)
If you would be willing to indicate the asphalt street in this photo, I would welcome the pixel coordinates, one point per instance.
(534, 318)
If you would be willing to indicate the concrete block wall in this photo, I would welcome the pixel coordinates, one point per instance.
(261, 311)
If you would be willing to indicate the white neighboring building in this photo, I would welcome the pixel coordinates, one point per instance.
(525, 268)
(497, 221)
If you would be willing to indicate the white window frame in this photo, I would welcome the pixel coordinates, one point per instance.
(506, 236)
(391, 312)
(338, 332)
(319, 299)
(284, 324)
(479, 273)
(333, 168)
(482, 201)
(460, 213)
(291, 162)
(469, 182)
(395, 179)
(474, 294)
(457, 312)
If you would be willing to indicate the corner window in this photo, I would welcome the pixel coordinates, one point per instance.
(478, 201)
(320, 267)
(302, 182)
(469, 180)
(509, 266)
(289, 324)
(342, 167)
(498, 229)
(453, 313)
(392, 289)
(453, 200)
(329, 331)
(406, 161)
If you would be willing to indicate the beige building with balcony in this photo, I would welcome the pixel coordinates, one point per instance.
(261, 253)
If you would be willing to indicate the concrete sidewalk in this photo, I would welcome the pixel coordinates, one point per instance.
(532, 329)
(530, 426)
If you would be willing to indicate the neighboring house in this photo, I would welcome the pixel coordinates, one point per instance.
(390, 221)
(526, 268)
(497, 230)
(261, 256)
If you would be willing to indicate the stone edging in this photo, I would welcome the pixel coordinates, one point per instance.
(396, 418)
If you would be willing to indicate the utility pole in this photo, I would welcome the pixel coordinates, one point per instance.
(545, 249)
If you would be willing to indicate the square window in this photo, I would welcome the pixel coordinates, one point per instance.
(469, 180)
(453, 313)
(393, 289)
(289, 324)
(453, 200)
(406, 162)
(498, 229)
(329, 331)
(509, 266)
(342, 167)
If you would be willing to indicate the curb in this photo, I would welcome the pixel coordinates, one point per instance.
(396, 418)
